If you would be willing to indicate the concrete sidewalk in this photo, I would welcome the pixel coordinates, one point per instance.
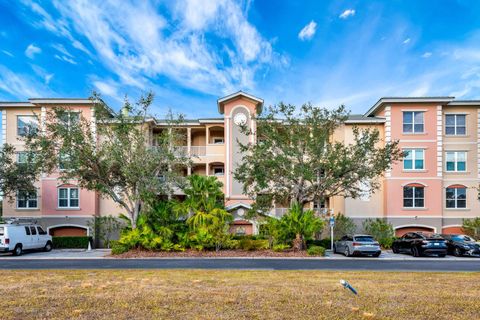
(59, 254)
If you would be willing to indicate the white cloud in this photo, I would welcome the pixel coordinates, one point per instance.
(427, 55)
(8, 53)
(21, 86)
(347, 13)
(308, 31)
(32, 50)
(65, 58)
(42, 73)
(108, 88)
(406, 41)
(197, 47)
(60, 48)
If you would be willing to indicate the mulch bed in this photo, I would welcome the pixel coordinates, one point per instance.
(138, 253)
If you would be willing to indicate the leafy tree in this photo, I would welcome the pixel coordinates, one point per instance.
(472, 227)
(343, 225)
(208, 220)
(301, 224)
(16, 176)
(105, 227)
(114, 156)
(296, 158)
(381, 230)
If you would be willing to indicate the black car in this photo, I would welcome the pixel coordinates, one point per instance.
(461, 245)
(420, 244)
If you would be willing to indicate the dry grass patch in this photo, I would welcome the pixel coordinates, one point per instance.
(204, 294)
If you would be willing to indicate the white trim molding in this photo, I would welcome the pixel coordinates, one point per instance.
(4, 127)
(388, 132)
(439, 141)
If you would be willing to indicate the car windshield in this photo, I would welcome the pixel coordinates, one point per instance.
(431, 235)
(364, 239)
(461, 237)
(2, 231)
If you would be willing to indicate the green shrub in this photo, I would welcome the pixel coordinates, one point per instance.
(321, 243)
(118, 248)
(386, 243)
(316, 251)
(281, 247)
(232, 244)
(381, 230)
(70, 242)
(250, 245)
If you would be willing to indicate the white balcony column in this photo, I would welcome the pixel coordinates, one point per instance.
(189, 170)
(207, 172)
(189, 141)
(207, 136)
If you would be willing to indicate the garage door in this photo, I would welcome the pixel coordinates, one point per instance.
(453, 230)
(401, 231)
(68, 232)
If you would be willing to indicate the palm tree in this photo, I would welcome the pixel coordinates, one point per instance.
(301, 224)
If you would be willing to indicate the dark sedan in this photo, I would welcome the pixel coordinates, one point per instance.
(420, 244)
(461, 245)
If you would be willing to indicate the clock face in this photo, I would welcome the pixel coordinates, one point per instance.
(240, 119)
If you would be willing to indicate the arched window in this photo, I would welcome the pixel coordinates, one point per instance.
(456, 196)
(414, 196)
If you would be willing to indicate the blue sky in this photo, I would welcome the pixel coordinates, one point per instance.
(192, 52)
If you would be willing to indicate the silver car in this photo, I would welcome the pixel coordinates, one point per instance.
(357, 244)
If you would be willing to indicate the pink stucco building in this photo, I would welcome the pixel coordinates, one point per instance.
(433, 188)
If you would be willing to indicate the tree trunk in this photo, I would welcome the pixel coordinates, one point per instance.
(298, 242)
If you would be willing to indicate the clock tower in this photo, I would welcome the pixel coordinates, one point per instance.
(238, 109)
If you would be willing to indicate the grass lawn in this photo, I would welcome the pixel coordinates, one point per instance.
(203, 294)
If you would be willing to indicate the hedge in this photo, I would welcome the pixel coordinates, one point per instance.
(316, 251)
(71, 242)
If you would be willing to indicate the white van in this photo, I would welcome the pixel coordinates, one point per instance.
(16, 237)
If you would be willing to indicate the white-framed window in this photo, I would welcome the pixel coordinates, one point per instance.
(455, 124)
(27, 125)
(70, 118)
(64, 161)
(413, 122)
(22, 157)
(414, 159)
(456, 161)
(456, 197)
(218, 171)
(218, 141)
(27, 200)
(68, 198)
(413, 197)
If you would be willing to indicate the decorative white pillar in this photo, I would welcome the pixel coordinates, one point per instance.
(439, 141)
(4, 126)
(388, 132)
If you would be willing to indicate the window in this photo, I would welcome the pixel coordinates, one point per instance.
(218, 171)
(455, 124)
(413, 197)
(64, 162)
(27, 200)
(456, 161)
(70, 118)
(414, 159)
(27, 231)
(41, 231)
(68, 198)
(218, 141)
(26, 125)
(413, 122)
(456, 197)
(22, 157)
(33, 231)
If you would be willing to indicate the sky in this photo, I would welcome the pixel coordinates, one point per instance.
(190, 53)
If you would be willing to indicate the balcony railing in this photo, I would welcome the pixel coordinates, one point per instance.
(198, 151)
(280, 212)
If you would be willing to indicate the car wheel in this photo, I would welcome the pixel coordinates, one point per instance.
(48, 247)
(395, 249)
(347, 252)
(376, 255)
(442, 255)
(415, 252)
(18, 250)
(457, 252)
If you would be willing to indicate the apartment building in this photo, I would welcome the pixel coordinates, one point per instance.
(433, 188)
